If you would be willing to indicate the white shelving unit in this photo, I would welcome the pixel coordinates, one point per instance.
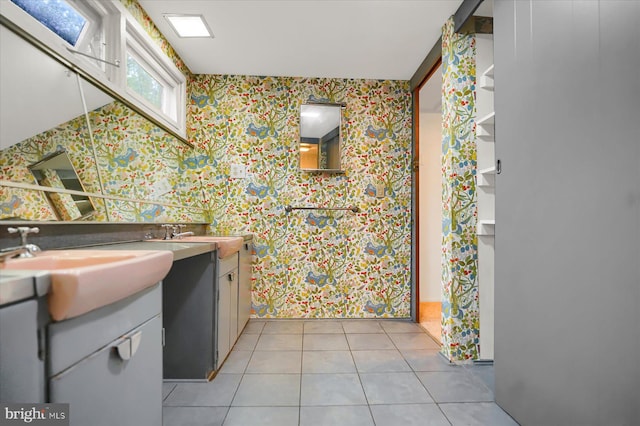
(485, 180)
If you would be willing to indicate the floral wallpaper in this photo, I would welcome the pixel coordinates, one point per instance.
(313, 263)
(460, 317)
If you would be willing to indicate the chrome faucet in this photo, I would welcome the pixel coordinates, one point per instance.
(181, 234)
(173, 232)
(23, 250)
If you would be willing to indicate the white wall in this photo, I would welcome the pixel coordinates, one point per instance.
(567, 290)
(430, 186)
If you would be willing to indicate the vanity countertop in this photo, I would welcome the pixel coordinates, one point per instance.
(181, 250)
(18, 285)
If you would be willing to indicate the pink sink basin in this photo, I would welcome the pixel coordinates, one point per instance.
(226, 245)
(83, 280)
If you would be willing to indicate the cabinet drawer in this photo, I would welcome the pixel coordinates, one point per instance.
(74, 339)
(227, 264)
(121, 384)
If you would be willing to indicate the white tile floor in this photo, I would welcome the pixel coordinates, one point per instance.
(331, 372)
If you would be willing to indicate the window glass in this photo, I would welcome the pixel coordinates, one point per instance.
(57, 15)
(143, 83)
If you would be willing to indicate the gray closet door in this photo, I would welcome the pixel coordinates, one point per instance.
(567, 292)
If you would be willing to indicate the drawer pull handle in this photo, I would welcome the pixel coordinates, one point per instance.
(128, 348)
(135, 342)
(231, 276)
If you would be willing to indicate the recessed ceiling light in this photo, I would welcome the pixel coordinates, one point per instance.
(189, 25)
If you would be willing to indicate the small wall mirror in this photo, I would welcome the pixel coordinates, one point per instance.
(320, 137)
(56, 171)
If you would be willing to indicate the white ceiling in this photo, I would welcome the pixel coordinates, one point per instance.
(374, 39)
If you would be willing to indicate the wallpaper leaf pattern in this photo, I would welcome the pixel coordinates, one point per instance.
(309, 263)
(460, 316)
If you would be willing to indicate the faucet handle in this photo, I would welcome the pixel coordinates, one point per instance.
(24, 231)
(168, 231)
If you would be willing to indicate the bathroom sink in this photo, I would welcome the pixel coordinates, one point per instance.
(83, 280)
(226, 245)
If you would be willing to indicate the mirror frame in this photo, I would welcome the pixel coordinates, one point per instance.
(339, 170)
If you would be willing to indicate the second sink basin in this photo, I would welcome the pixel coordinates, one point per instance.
(84, 280)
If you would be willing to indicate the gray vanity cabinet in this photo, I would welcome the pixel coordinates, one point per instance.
(107, 364)
(189, 307)
(21, 361)
(227, 323)
(244, 285)
(23, 323)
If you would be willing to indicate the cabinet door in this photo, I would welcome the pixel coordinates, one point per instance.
(224, 320)
(232, 279)
(120, 384)
(227, 314)
(21, 370)
(244, 286)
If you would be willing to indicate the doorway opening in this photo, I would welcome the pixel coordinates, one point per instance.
(429, 202)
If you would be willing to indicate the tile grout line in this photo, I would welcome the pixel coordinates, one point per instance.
(242, 377)
(360, 378)
(301, 369)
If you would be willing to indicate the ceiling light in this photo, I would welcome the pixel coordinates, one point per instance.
(189, 25)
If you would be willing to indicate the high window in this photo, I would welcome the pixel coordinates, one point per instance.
(57, 15)
(151, 77)
(80, 24)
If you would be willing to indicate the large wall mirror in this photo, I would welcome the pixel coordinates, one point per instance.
(46, 109)
(321, 137)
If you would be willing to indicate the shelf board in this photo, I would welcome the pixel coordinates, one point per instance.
(486, 83)
(486, 181)
(487, 119)
(489, 71)
(486, 227)
(488, 171)
(486, 177)
(485, 132)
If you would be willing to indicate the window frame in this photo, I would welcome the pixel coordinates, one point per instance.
(95, 12)
(138, 44)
